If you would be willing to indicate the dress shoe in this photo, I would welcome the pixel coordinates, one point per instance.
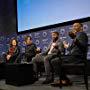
(62, 83)
(56, 83)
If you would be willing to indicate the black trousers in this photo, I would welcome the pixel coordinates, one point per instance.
(57, 62)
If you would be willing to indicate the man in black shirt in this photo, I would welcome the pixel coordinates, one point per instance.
(30, 50)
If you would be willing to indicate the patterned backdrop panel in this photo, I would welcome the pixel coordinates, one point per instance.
(42, 38)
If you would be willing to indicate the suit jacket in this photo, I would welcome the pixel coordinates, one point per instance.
(79, 45)
(60, 50)
(30, 52)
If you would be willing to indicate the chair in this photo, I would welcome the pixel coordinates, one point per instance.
(77, 69)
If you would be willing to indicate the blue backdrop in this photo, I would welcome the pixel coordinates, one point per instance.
(41, 38)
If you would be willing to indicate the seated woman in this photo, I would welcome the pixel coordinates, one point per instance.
(12, 55)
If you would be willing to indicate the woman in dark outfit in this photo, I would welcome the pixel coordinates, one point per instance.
(12, 55)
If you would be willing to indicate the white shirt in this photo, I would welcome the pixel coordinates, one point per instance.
(51, 48)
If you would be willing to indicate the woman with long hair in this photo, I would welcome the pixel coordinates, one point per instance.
(13, 52)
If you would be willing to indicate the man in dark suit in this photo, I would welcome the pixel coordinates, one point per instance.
(77, 51)
(56, 47)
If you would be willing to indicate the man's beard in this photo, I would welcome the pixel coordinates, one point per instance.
(55, 39)
(72, 35)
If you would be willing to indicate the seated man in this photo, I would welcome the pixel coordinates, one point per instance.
(55, 48)
(77, 52)
(30, 50)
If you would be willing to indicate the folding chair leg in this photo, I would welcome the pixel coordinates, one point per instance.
(85, 79)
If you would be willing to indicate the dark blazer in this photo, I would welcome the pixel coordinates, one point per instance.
(30, 52)
(79, 45)
(60, 50)
(15, 57)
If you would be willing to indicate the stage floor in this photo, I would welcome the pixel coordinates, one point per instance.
(77, 85)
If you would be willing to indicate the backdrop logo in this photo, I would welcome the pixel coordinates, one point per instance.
(36, 35)
(44, 34)
(63, 38)
(37, 42)
(53, 30)
(45, 41)
(85, 27)
(62, 31)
